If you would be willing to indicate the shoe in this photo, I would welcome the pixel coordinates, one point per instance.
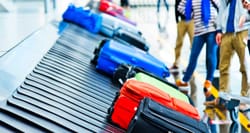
(180, 83)
(207, 85)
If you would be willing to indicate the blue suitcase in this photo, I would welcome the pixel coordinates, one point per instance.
(113, 53)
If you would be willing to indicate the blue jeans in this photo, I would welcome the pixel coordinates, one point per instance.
(211, 59)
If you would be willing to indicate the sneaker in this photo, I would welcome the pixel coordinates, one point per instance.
(207, 85)
(180, 83)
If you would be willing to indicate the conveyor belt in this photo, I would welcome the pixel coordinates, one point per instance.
(63, 93)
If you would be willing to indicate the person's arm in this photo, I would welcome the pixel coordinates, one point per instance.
(218, 22)
(181, 7)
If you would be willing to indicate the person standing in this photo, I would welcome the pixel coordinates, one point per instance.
(232, 30)
(204, 14)
(183, 27)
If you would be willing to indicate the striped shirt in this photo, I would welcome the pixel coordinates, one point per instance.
(199, 27)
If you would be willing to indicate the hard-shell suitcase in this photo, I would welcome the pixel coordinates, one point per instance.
(152, 117)
(110, 8)
(114, 10)
(111, 24)
(83, 17)
(113, 53)
(124, 72)
(133, 39)
(134, 91)
(125, 35)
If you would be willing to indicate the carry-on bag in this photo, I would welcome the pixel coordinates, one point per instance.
(83, 17)
(130, 95)
(152, 117)
(113, 53)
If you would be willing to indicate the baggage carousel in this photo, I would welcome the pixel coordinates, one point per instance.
(61, 91)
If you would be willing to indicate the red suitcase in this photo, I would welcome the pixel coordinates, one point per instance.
(110, 8)
(133, 91)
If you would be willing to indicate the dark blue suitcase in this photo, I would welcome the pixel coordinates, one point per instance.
(113, 53)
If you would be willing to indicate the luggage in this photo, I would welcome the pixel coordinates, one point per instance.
(113, 10)
(152, 117)
(84, 18)
(126, 103)
(110, 8)
(133, 39)
(110, 24)
(124, 72)
(124, 35)
(113, 53)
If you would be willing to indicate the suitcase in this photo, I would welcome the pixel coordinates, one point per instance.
(133, 39)
(124, 72)
(114, 10)
(152, 117)
(111, 24)
(82, 17)
(129, 98)
(110, 8)
(113, 53)
(123, 35)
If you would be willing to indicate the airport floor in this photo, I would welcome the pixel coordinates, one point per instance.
(28, 17)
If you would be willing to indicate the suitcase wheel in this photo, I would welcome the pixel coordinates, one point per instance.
(110, 112)
(119, 76)
(94, 60)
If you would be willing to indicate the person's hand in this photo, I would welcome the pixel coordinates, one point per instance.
(218, 38)
(242, 21)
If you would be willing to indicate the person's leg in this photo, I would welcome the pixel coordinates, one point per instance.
(211, 53)
(226, 51)
(197, 45)
(181, 30)
(190, 31)
(240, 48)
